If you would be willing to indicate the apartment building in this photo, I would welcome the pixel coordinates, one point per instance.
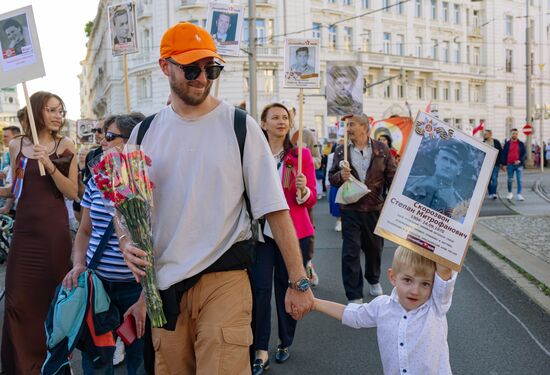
(9, 104)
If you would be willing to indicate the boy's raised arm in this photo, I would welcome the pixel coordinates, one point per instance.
(333, 309)
(444, 272)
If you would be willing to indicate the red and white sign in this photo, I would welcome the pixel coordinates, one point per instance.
(527, 129)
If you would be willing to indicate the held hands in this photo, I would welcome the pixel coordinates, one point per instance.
(298, 304)
(40, 153)
(71, 279)
(139, 311)
(135, 259)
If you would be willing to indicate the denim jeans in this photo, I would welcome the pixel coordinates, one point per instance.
(493, 183)
(518, 169)
(123, 295)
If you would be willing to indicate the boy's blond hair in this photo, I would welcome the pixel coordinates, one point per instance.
(404, 258)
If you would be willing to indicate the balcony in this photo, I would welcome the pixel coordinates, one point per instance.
(187, 3)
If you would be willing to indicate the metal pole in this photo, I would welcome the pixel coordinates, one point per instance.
(252, 58)
(529, 161)
(541, 66)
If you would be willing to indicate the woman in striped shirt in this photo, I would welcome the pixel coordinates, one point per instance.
(117, 278)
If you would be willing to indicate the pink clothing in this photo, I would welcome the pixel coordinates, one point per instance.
(299, 212)
(513, 153)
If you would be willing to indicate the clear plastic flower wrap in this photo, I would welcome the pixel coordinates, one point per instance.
(122, 178)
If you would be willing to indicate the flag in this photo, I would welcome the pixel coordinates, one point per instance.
(428, 107)
(481, 126)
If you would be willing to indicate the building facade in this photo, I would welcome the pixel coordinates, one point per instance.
(9, 105)
(466, 58)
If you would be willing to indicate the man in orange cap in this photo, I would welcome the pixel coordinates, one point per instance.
(200, 221)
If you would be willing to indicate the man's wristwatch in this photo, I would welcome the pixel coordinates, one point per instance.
(301, 285)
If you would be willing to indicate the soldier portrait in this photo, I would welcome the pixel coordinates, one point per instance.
(122, 23)
(344, 90)
(300, 62)
(14, 39)
(223, 27)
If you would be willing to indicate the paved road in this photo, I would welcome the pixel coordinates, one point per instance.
(493, 327)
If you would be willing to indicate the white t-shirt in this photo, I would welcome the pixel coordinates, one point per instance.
(199, 210)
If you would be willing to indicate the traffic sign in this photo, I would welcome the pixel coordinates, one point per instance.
(527, 129)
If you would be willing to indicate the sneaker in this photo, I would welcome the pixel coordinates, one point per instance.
(311, 274)
(510, 196)
(338, 226)
(494, 197)
(375, 290)
(520, 198)
(118, 357)
(358, 300)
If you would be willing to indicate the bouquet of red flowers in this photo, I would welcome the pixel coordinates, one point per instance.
(123, 179)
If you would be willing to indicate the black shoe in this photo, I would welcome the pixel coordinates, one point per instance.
(282, 355)
(260, 366)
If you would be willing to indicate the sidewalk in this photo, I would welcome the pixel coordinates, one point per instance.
(522, 239)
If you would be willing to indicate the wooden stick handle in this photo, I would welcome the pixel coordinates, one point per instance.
(32, 125)
(300, 130)
(126, 84)
(345, 143)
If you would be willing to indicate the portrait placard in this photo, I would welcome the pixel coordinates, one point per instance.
(122, 29)
(84, 129)
(21, 59)
(344, 89)
(437, 192)
(225, 24)
(302, 63)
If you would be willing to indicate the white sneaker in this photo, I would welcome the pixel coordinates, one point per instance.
(510, 196)
(520, 198)
(494, 197)
(375, 290)
(120, 352)
(338, 226)
(358, 300)
(311, 274)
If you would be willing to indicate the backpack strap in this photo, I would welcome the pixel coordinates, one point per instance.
(102, 245)
(239, 125)
(143, 127)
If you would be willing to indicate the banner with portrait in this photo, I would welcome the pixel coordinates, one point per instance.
(302, 64)
(397, 129)
(21, 58)
(437, 192)
(344, 89)
(225, 24)
(123, 29)
(84, 130)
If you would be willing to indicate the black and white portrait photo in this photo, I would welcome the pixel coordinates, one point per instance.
(302, 64)
(14, 38)
(122, 23)
(302, 60)
(344, 89)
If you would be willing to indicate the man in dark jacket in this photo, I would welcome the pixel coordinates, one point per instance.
(371, 162)
(513, 156)
(488, 138)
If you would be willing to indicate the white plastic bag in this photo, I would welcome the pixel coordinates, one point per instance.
(351, 191)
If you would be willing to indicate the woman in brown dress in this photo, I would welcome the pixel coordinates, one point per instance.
(39, 255)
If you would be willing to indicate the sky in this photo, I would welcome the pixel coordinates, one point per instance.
(60, 25)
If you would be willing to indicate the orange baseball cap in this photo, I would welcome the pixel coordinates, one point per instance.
(186, 43)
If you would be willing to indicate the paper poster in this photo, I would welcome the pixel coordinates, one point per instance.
(344, 89)
(302, 63)
(123, 29)
(225, 24)
(437, 192)
(84, 130)
(21, 59)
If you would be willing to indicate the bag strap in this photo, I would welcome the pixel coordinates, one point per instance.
(102, 245)
(239, 125)
(144, 127)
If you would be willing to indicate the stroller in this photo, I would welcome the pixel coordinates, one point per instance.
(6, 232)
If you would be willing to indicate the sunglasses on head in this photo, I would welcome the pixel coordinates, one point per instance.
(110, 136)
(192, 72)
(97, 130)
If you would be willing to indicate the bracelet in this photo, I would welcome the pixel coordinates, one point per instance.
(54, 169)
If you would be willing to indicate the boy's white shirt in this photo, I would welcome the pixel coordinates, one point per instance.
(416, 340)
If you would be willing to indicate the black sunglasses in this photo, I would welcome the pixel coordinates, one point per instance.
(97, 130)
(110, 136)
(193, 72)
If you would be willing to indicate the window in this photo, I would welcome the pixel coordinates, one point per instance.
(477, 56)
(400, 45)
(445, 11)
(269, 81)
(457, 53)
(401, 8)
(456, 14)
(434, 49)
(508, 25)
(418, 8)
(434, 9)
(316, 32)
(366, 36)
(419, 46)
(509, 96)
(386, 5)
(476, 19)
(145, 87)
(446, 52)
(387, 90)
(348, 2)
(387, 43)
(446, 92)
(146, 40)
(458, 123)
(348, 38)
(263, 33)
(509, 124)
(509, 60)
(400, 91)
(458, 92)
(332, 1)
(434, 93)
(332, 37)
(419, 92)
(468, 54)
(366, 4)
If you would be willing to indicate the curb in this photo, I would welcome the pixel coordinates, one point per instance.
(507, 268)
(541, 192)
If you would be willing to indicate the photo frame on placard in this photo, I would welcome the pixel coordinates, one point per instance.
(302, 63)
(225, 24)
(437, 191)
(20, 58)
(344, 89)
(84, 128)
(123, 29)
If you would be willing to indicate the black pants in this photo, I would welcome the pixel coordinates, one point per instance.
(358, 234)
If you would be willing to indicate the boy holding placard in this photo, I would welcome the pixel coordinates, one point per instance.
(411, 322)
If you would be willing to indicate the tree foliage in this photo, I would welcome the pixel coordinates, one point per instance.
(88, 28)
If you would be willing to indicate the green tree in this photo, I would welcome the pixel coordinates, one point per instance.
(88, 28)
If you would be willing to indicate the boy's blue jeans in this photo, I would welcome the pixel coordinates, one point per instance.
(123, 295)
(518, 170)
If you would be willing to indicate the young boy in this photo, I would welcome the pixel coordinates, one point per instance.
(411, 323)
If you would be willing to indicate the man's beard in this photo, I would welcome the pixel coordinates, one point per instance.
(184, 95)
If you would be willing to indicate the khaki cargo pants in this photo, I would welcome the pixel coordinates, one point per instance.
(213, 333)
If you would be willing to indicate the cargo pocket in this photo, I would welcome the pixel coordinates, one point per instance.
(235, 359)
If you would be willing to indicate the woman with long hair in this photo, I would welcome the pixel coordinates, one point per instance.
(40, 251)
(269, 269)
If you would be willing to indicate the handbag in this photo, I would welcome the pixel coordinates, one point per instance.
(351, 191)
